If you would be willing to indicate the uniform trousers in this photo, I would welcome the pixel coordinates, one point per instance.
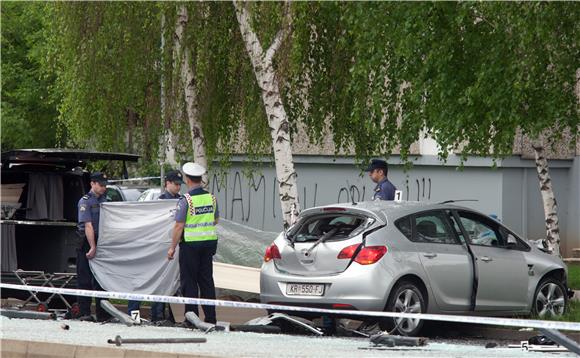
(196, 274)
(86, 281)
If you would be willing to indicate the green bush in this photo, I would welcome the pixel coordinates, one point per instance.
(574, 276)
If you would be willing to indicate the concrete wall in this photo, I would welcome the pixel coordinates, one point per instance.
(523, 208)
(573, 219)
(510, 191)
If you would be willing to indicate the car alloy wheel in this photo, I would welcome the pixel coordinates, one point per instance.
(550, 299)
(406, 297)
(407, 302)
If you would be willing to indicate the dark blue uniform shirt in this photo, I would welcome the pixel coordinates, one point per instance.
(182, 206)
(89, 207)
(168, 195)
(385, 190)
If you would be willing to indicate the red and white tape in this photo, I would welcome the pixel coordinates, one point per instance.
(495, 321)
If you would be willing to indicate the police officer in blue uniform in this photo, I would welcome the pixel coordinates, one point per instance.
(173, 181)
(88, 229)
(385, 190)
(194, 230)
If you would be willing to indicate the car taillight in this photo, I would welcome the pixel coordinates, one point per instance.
(366, 256)
(272, 253)
(347, 252)
(370, 254)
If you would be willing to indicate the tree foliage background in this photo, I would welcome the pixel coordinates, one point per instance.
(468, 74)
(28, 110)
(110, 65)
(375, 76)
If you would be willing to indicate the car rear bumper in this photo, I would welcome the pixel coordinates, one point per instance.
(360, 287)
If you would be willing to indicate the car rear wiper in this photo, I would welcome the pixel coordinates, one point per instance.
(456, 201)
(322, 239)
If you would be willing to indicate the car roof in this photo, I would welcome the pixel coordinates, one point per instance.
(392, 209)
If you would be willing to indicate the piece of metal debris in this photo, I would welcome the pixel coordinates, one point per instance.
(562, 340)
(27, 314)
(285, 322)
(118, 341)
(204, 326)
(384, 339)
(121, 316)
(369, 327)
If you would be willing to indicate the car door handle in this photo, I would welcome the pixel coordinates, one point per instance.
(430, 255)
(486, 259)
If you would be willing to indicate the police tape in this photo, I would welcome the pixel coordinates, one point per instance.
(495, 321)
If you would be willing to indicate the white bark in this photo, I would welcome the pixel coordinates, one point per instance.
(275, 112)
(190, 90)
(167, 145)
(548, 199)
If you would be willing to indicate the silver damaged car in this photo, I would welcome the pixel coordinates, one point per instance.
(410, 257)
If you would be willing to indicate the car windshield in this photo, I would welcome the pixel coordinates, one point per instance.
(312, 228)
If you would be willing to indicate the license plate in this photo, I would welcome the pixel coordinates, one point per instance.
(304, 289)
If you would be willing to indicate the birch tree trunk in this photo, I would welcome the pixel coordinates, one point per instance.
(190, 90)
(548, 199)
(277, 118)
(167, 145)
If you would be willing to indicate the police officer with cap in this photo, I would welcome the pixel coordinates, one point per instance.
(88, 230)
(173, 181)
(195, 231)
(385, 190)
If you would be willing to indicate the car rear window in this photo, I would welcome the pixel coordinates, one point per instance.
(312, 228)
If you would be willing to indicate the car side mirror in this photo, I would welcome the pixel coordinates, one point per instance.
(511, 241)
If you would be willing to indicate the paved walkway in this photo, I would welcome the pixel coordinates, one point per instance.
(84, 337)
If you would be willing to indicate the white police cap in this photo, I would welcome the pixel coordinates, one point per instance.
(193, 169)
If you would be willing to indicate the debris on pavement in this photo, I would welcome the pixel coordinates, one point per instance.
(525, 346)
(27, 314)
(343, 330)
(204, 326)
(288, 324)
(121, 316)
(369, 327)
(541, 340)
(385, 339)
(118, 341)
(255, 328)
(561, 339)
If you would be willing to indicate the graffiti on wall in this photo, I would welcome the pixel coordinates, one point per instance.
(422, 186)
(256, 199)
